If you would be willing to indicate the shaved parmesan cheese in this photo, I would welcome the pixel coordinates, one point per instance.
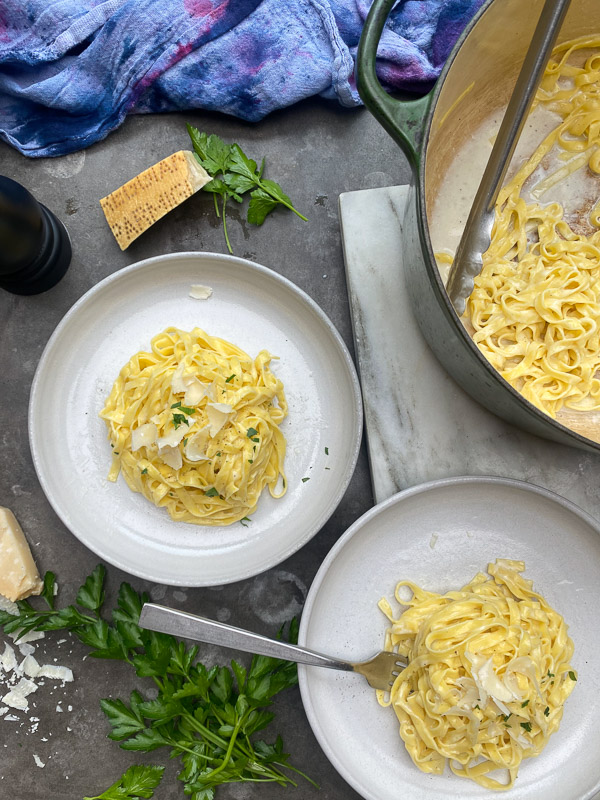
(8, 660)
(32, 636)
(171, 456)
(26, 649)
(9, 606)
(172, 438)
(144, 436)
(218, 414)
(195, 450)
(200, 292)
(38, 761)
(17, 697)
(194, 392)
(56, 673)
(178, 384)
(30, 667)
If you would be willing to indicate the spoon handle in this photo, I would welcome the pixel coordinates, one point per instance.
(476, 236)
(190, 626)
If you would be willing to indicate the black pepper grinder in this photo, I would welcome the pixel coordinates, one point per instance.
(35, 249)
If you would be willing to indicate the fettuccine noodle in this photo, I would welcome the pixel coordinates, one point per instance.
(488, 673)
(194, 427)
(535, 308)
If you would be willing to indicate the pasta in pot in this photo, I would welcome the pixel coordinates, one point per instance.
(535, 308)
(488, 673)
(194, 427)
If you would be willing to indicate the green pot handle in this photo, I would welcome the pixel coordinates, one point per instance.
(402, 119)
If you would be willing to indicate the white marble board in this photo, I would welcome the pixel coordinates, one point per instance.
(420, 424)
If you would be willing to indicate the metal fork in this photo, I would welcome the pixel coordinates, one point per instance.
(380, 671)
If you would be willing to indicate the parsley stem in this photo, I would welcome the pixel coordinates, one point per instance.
(216, 205)
(227, 756)
(225, 225)
(279, 200)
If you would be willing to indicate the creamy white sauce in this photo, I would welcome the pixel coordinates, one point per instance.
(451, 207)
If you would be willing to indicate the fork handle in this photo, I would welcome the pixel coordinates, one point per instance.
(190, 626)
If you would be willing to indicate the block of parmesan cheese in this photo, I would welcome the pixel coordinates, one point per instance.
(140, 202)
(19, 577)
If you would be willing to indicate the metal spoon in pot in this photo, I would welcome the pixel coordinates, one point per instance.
(476, 236)
(380, 671)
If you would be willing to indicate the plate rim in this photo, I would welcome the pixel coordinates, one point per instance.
(124, 273)
(356, 526)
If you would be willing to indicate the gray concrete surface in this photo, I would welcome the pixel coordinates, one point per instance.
(316, 151)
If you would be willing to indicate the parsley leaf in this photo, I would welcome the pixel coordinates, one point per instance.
(212, 492)
(230, 378)
(526, 726)
(145, 471)
(260, 206)
(136, 782)
(572, 675)
(251, 432)
(547, 711)
(305, 479)
(525, 703)
(179, 419)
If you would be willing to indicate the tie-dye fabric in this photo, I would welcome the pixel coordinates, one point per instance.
(71, 70)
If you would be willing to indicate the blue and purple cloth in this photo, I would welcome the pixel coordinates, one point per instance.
(71, 70)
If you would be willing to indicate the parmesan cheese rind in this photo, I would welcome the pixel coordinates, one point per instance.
(19, 577)
(139, 203)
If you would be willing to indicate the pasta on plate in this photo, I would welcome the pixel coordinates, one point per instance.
(487, 677)
(194, 426)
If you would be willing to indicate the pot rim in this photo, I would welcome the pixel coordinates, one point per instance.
(430, 262)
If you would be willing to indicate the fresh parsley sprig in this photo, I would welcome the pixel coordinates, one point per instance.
(207, 717)
(233, 175)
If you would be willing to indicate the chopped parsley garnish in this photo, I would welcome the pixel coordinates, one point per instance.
(244, 521)
(179, 419)
(251, 432)
(526, 703)
(116, 453)
(327, 467)
(572, 675)
(506, 717)
(305, 479)
(185, 441)
(212, 492)
(526, 726)
(251, 461)
(145, 471)
(547, 712)
(218, 453)
(326, 451)
(477, 706)
(550, 674)
(184, 409)
(230, 378)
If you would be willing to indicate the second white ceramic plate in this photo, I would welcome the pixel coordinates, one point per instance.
(256, 309)
(439, 535)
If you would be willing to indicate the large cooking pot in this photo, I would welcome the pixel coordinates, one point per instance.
(477, 79)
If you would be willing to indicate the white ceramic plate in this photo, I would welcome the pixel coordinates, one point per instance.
(251, 306)
(475, 520)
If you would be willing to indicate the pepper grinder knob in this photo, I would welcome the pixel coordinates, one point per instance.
(35, 249)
